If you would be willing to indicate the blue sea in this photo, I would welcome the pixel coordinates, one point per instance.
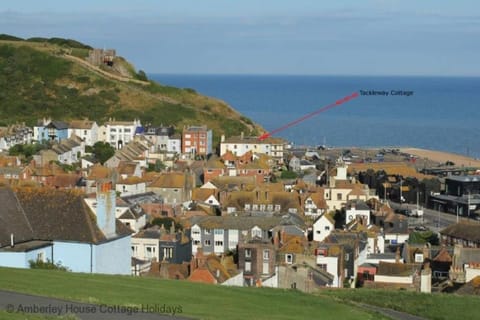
(443, 113)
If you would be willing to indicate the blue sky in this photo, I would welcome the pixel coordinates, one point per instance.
(369, 37)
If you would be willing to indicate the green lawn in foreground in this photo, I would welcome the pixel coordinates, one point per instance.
(26, 316)
(196, 300)
(431, 306)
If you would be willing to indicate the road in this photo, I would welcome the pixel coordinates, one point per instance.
(14, 302)
(434, 220)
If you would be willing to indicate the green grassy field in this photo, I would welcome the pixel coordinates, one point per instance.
(431, 306)
(195, 300)
(4, 315)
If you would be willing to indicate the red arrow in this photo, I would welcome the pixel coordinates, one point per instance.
(305, 117)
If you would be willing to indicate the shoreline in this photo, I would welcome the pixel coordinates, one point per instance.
(442, 156)
(437, 156)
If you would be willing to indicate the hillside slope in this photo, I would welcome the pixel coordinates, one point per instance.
(51, 78)
(195, 300)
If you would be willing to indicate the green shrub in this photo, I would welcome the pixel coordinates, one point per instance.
(39, 264)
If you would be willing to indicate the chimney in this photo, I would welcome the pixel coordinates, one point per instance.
(172, 228)
(12, 242)
(397, 255)
(106, 208)
(242, 135)
(276, 240)
(222, 138)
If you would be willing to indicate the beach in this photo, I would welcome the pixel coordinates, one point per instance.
(442, 157)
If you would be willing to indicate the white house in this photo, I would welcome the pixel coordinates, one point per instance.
(130, 186)
(315, 205)
(119, 133)
(216, 234)
(273, 147)
(330, 265)
(13, 135)
(357, 211)
(322, 227)
(84, 129)
(70, 151)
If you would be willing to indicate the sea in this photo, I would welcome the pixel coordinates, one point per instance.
(438, 113)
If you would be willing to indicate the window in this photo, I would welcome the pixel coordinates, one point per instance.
(266, 254)
(196, 242)
(247, 206)
(208, 231)
(256, 233)
(248, 253)
(207, 242)
(346, 256)
(322, 267)
(219, 243)
(339, 196)
(41, 256)
(309, 201)
(195, 231)
(265, 268)
(167, 253)
(289, 258)
(149, 252)
(218, 231)
(127, 130)
(327, 228)
(248, 266)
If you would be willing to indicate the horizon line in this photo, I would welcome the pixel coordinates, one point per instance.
(313, 75)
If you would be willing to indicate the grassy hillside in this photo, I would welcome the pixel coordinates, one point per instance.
(429, 306)
(50, 77)
(196, 300)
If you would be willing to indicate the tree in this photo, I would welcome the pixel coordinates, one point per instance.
(157, 167)
(167, 223)
(141, 75)
(103, 151)
(27, 150)
(288, 175)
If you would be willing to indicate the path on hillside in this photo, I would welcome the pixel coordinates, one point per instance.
(127, 81)
(103, 72)
(392, 314)
(14, 302)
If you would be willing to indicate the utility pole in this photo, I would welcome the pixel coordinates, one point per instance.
(468, 204)
(401, 195)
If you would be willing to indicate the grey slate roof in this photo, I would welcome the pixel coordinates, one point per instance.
(245, 222)
(12, 219)
(465, 231)
(62, 215)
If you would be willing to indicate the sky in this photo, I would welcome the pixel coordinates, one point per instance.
(304, 37)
